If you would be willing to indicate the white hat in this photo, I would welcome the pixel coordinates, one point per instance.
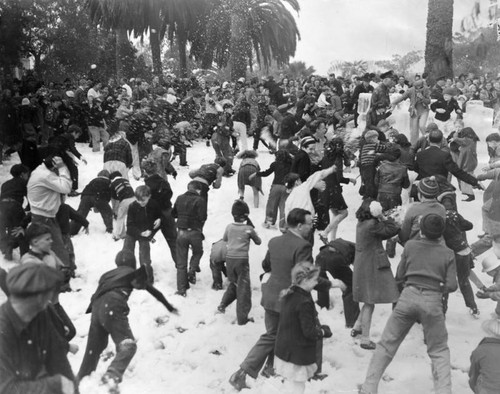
(70, 93)
(25, 101)
(490, 263)
(376, 209)
(242, 80)
(492, 327)
(225, 85)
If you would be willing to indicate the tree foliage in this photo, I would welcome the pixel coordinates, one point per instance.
(401, 64)
(348, 69)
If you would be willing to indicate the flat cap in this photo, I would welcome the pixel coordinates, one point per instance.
(31, 278)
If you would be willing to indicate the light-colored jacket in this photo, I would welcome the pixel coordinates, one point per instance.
(45, 188)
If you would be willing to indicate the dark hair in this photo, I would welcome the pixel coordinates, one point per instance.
(18, 169)
(402, 141)
(142, 191)
(115, 174)
(220, 161)
(35, 230)
(493, 137)
(297, 216)
(194, 185)
(290, 179)
(363, 213)
(435, 136)
(283, 156)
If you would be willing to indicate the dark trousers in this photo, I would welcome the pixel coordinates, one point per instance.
(463, 264)
(88, 202)
(389, 200)
(351, 308)
(73, 173)
(238, 273)
(144, 253)
(57, 240)
(368, 188)
(8, 243)
(169, 231)
(218, 268)
(275, 203)
(109, 317)
(185, 239)
(68, 244)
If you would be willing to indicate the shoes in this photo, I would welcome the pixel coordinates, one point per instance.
(111, 383)
(355, 333)
(266, 225)
(73, 193)
(474, 312)
(181, 293)
(368, 346)
(217, 286)
(238, 380)
(221, 309)
(319, 376)
(248, 320)
(482, 235)
(470, 197)
(208, 143)
(192, 277)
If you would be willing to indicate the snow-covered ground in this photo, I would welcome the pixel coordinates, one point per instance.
(198, 350)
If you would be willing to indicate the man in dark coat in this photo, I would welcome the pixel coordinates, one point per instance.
(34, 356)
(381, 93)
(435, 161)
(283, 253)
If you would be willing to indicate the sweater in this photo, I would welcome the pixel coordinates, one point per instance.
(100, 188)
(238, 236)
(45, 188)
(140, 219)
(161, 192)
(280, 169)
(121, 189)
(429, 265)
(14, 188)
(410, 228)
(190, 210)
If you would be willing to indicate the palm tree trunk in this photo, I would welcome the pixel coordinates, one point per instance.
(181, 44)
(154, 41)
(238, 46)
(121, 42)
(439, 45)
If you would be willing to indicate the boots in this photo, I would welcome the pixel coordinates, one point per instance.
(237, 380)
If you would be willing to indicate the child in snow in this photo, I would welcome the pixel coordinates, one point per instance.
(143, 219)
(218, 263)
(40, 252)
(97, 195)
(122, 195)
(277, 195)
(299, 330)
(484, 371)
(238, 236)
(248, 167)
(456, 240)
(366, 163)
(491, 265)
(332, 197)
(15, 187)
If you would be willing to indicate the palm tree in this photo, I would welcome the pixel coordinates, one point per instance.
(439, 45)
(235, 30)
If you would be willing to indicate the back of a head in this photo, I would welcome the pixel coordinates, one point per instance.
(240, 211)
(435, 137)
(428, 187)
(18, 169)
(290, 179)
(103, 173)
(432, 226)
(194, 186)
(493, 137)
(115, 174)
(302, 271)
(297, 216)
(125, 258)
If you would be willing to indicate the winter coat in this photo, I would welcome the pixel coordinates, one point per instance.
(140, 219)
(454, 232)
(484, 372)
(118, 149)
(282, 254)
(298, 329)
(491, 202)
(190, 210)
(14, 188)
(392, 177)
(100, 188)
(467, 156)
(301, 165)
(161, 192)
(373, 281)
(448, 106)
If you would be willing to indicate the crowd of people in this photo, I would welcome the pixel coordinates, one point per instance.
(307, 125)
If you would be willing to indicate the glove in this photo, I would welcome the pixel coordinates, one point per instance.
(327, 333)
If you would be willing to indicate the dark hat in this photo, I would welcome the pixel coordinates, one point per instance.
(387, 74)
(32, 278)
(428, 187)
(393, 152)
(240, 209)
(432, 226)
(125, 258)
(450, 91)
(18, 169)
(431, 126)
(104, 173)
(36, 230)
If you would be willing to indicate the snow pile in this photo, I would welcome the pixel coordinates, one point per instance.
(197, 351)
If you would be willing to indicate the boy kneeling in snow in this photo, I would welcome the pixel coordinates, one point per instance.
(109, 317)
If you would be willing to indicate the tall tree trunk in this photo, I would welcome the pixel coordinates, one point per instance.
(238, 48)
(37, 63)
(121, 42)
(181, 44)
(155, 42)
(439, 44)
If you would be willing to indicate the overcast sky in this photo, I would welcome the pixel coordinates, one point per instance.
(363, 29)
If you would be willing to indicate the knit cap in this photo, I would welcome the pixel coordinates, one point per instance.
(432, 226)
(125, 258)
(492, 327)
(240, 210)
(306, 141)
(428, 187)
